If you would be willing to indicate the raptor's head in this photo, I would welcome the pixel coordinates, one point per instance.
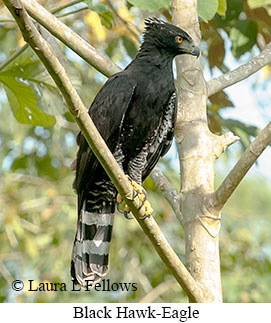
(168, 37)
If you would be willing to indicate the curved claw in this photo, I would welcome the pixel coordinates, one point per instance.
(140, 192)
(145, 216)
(148, 210)
(142, 195)
(125, 212)
(118, 207)
(126, 215)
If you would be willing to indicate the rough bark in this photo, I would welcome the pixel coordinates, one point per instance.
(198, 149)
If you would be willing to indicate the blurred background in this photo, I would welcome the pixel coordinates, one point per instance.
(38, 144)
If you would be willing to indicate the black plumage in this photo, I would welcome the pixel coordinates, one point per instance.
(135, 112)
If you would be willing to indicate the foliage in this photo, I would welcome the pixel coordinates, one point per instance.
(245, 243)
(151, 5)
(37, 141)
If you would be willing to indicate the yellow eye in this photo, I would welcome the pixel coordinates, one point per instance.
(179, 39)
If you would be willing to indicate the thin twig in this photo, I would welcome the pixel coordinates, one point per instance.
(155, 293)
(100, 62)
(240, 73)
(98, 146)
(224, 191)
(123, 21)
(168, 191)
(72, 3)
(5, 273)
(24, 47)
(4, 21)
(14, 56)
(72, 12)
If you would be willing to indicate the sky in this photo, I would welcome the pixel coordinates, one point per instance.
(248, 109)
(252, 104)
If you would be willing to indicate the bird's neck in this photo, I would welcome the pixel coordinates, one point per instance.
(154, 57)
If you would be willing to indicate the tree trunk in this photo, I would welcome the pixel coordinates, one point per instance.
(198, 148)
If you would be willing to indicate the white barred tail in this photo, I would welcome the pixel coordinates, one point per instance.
(91, 247)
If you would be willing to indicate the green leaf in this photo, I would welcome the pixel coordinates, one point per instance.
(49, 99)
(150, 5)
(234, 8)
(43, 240)
(68, 116)
(45, 168)
(129, 46)
(31, 72)
(89, 3)
(222, 7)
(111, 46)
(20, 163)
(243, 35)
(258, 3)
(104, 12)
(23, 103)
(207, 9)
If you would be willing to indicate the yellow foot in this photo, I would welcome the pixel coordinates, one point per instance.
(148, 210)
(142, 195)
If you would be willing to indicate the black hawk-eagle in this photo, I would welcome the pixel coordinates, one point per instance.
(135, 112)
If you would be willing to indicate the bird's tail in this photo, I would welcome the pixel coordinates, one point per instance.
(91, 246)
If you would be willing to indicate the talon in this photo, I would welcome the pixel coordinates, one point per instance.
(140, 192)
(126, 210)
(126, 215)
(142, 195)
(148, 210)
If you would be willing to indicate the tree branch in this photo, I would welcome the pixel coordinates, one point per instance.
(218, 199)
(168, 191)
(150, 227)
(62, 15)
(81, 47)
(242, 72)
(67, 5)
(107, 67)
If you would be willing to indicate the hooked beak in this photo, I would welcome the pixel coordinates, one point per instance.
(190, 48)
(195, 51)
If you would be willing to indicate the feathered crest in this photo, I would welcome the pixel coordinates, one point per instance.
(159, 28)
(153, 21)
